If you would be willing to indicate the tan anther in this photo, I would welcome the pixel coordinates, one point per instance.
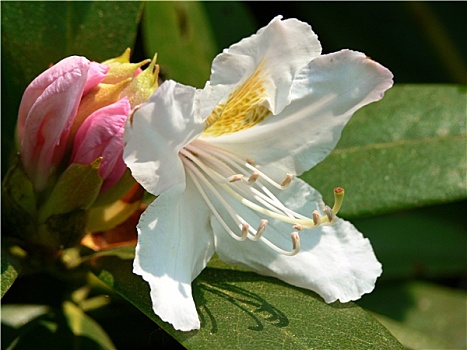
(245, 228)
(287, 180)
(296, 242)
(329, 213)
(298, 227)
(253, 177)
(251, 161)
(316, 217)
(235, 178)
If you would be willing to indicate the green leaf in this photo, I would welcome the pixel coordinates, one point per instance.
(10, 271)
(410, 308)
(83, 326)
(41, 327)
(230, 22)
(52, 31)
(187, 35)
(403, 152)
(238, 308)
(427, 242)
(179, 32)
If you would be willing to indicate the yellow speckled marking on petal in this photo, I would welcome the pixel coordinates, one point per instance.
(243, 109)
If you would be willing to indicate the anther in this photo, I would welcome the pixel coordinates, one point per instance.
(245, 228)
(287, 180)
(298, 227)
(260, 230)
(338, 199)
(316, 217)
(329, 213)
(251, 161)
(253, 177)
(296, 243)
(235, 178)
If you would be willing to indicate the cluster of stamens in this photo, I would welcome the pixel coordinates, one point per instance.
(211, 167)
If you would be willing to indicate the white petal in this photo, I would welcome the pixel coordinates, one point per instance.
(325, 95)
(335, 261)
(282, 48)
(157, 131)
(175, 242)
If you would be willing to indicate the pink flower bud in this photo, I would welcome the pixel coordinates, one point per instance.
(97, 72)
(101, 135)
(46, 113)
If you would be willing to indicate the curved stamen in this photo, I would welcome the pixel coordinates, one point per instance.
(329, 213)
(212, 167)
(287, 180)
(260, 230)
(193, 171)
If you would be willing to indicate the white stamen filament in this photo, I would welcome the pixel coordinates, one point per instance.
(209, 165)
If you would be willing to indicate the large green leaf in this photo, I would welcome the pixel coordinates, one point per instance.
(239, 307)
(427, 242)
(405, 151)
(436, 314)
(187, 35)
(36, 34)
(179, 32)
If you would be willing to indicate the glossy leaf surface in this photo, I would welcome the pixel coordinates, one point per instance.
(239, 307)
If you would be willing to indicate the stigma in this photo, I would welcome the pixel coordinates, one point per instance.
(227, 180)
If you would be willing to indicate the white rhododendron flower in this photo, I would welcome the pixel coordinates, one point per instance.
(222, 161)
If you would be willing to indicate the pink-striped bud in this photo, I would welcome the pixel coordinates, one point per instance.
(46, 114)
(101, 135)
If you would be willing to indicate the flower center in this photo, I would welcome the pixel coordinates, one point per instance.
(217, 172)
(243, 109)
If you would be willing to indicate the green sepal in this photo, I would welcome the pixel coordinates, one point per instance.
(117, 191)
(77, 188)
(61, 231)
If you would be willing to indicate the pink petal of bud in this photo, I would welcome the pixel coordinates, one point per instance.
(46, 113)
(96, 74)
(101, 135)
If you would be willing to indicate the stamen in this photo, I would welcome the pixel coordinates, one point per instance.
(193, 171)
(329, 213)
(250, 161)
(260, 230)
(235, 178)
(253, 177)
(316, 217)
(287, 180)
(263, 176)
(245, 228)
(212, 169)
(298, 227)
(296, 243)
